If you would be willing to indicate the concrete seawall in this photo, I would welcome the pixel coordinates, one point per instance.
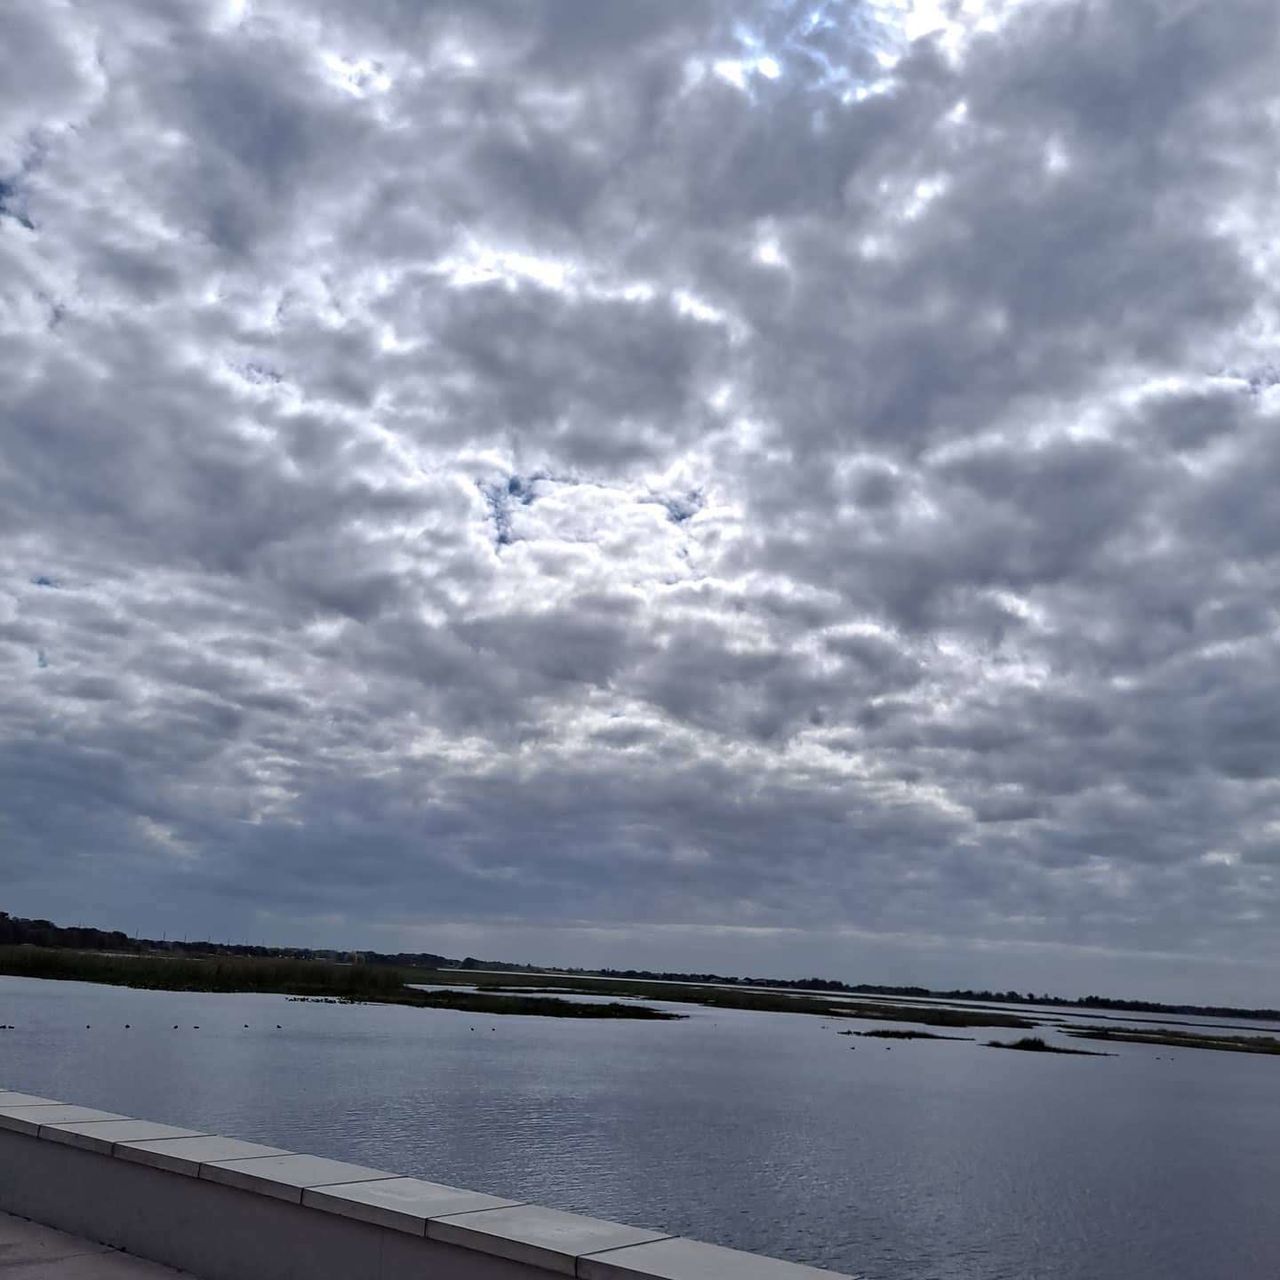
(224, 1209)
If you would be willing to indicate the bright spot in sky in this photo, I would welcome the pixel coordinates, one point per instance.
(485, 265)
(952, 23)
(733, 71)
(769, 253)
(923, 18)
(688, 304)
(889, 27)
(1056, 159)
(231, 14)
(1220, 858)
(923, 194)
(356, 76)
(739, 71)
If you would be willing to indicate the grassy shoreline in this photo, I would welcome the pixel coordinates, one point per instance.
(313, 979)
(726, 998)
(1182, 1040)
(502, 993)
(1034, 1044)
(894, 1034)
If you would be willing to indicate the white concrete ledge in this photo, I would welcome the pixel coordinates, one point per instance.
(401, 1204)
(679, 1259)
(106, 1135)
(27, 1099)
(187, 1155)
(224, 1209)
(546, 1238)
(30, 1118)
(287, 1177)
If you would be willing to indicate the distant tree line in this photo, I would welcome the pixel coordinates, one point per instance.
(923, 993)
(17, 931)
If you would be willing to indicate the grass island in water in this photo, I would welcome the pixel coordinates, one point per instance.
(315, 979)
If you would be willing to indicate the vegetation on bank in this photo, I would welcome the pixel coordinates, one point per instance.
(496, 993)
(548, 1006)
(213, 973)
(1034, 1044)
(893, 1033)
(730, 998)
(963, 994)
(1182, 1039)
(313, 979)
(18, 930)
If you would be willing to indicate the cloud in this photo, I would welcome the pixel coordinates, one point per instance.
(579, 475)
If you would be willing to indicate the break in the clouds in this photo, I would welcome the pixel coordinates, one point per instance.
(770, 486)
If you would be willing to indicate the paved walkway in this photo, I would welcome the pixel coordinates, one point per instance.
(29, 1251)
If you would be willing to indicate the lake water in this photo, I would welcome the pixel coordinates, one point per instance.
(767, 1132)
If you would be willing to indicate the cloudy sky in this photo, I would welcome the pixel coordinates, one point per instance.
(744, 484)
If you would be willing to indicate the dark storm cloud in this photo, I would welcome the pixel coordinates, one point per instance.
(591, 481)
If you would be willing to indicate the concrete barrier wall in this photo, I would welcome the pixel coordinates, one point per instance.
(225, 1209)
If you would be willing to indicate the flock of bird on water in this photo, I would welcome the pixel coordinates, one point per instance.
(128, 1026)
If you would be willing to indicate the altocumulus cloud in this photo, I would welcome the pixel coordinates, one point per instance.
(763, 485)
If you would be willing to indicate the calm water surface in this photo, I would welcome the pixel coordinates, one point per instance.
(767, 1132)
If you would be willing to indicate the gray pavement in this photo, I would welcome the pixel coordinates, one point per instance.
(29, 1251)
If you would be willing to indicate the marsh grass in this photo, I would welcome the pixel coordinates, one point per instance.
(312, 979)
(727, 998)
(1183, 1039)
(891, 1033)
(1034, 1044)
